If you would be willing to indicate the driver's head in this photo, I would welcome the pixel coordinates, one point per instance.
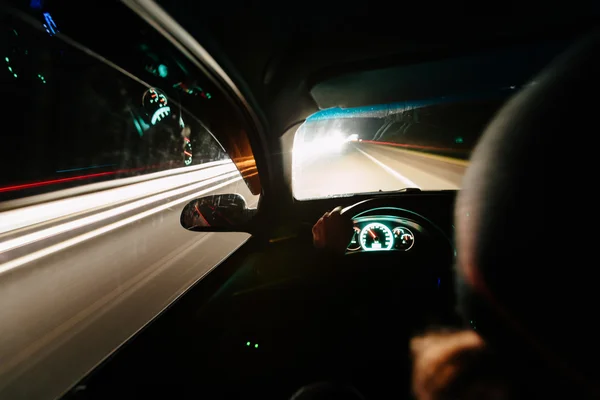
(524, 278)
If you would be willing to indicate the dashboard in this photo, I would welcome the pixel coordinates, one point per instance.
(384, 233)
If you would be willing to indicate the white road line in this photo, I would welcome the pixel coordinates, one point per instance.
(100, 231)
(26, 216)
(391, 171)
(81, 222)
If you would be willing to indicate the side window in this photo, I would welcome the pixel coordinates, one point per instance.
(107, 134)
(88, 105)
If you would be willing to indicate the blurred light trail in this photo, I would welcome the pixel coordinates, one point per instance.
(97, 232)
(26, 216)
(95, 218)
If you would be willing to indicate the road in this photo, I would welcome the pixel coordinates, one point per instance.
(78, 278)
(81, 273)
(368, 167)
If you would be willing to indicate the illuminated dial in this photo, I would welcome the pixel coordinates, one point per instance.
(155, 102)
(187, 151)
(154, 98)
(376, 236)
(354, 244)
(403, 239)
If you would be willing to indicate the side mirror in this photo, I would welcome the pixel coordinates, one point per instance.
(217, 213)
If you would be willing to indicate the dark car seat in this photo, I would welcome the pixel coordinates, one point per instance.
(526, 219)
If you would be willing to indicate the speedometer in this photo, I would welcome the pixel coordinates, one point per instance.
(376, 236)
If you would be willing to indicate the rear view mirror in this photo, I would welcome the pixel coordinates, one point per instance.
(217, 213)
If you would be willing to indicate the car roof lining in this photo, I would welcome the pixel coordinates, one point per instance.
(507, 68)
(280, 59)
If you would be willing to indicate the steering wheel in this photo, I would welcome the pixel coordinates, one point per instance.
(425, 273)
(431, 262)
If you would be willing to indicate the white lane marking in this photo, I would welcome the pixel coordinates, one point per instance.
(100, 231)
(392, 172)
(26, 216)
(81, 222)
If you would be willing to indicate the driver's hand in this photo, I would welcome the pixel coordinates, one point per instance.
(333, 231)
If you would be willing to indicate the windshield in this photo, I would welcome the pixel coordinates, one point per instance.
(424, 143)
(387, 147)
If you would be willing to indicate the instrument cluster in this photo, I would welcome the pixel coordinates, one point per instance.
(383, 233)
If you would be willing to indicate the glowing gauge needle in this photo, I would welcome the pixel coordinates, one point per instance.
(187, 153)
(372, 234)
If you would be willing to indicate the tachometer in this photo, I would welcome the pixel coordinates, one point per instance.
(376, 236)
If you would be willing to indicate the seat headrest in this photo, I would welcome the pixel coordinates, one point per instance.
(524, 278)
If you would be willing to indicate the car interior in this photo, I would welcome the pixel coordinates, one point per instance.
(278, 313)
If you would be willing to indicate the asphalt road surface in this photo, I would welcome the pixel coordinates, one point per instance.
(74, 293)
(362, 167)
(81, 274)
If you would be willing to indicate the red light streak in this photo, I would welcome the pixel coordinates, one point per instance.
(73, 178)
